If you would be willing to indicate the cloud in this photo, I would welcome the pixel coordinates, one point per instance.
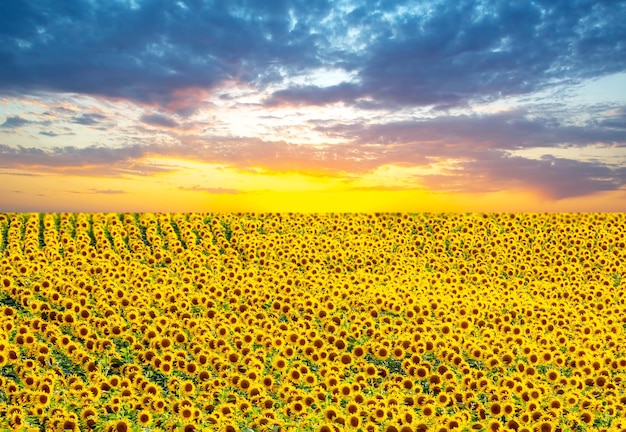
(555, 178)
(468, 135)
(89, 119)
(49, 134)
(107, 191)
(159, 120)
(211, 190)
(22, 174)
(451, 53)
(170, 55)
(615, 119)
(477, 147)
(313, 95)
(151, 51)
(14, 122)
(70, 157)
(53, 134)
(470, 152)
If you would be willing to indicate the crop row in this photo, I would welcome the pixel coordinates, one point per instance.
(250, 322)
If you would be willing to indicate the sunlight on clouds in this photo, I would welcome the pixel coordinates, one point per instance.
(400, 177)
(198, 175)
(237, 110)
(609, 155)
(497, 107)
(322, 77)
(610, 89)
(70, 120)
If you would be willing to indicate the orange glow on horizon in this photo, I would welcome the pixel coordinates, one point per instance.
(196, 188)
(179, 185)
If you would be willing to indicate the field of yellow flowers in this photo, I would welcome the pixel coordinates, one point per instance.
(327, 322)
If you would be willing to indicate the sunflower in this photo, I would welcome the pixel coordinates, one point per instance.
(494, 426)
(346, 359)
(513, 424)
(586, 417)
(279, 363)
(166, 367)
(294, 374)
(428, 410)
(144, 418)
(120, 426)
(421, 372)
(354, 421)
(41, 399)
(187, 388)
(547, 426)
(298, 407)
(72, 425)
(330, 413)
(187, 413)
(310, 379)
(508, 408)
(267, 381)
(158, 405)
(114, 381)
(398, 353)
(443, 399)
(382, 353)
(495, 409)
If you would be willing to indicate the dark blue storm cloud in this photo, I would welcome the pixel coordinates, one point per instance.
(403, 53)
(147, 53)
(455, 52)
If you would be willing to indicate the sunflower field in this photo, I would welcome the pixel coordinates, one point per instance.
(312, 322)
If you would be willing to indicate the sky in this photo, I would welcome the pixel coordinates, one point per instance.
(312, 105)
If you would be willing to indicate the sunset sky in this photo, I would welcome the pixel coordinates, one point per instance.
(306, 105)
